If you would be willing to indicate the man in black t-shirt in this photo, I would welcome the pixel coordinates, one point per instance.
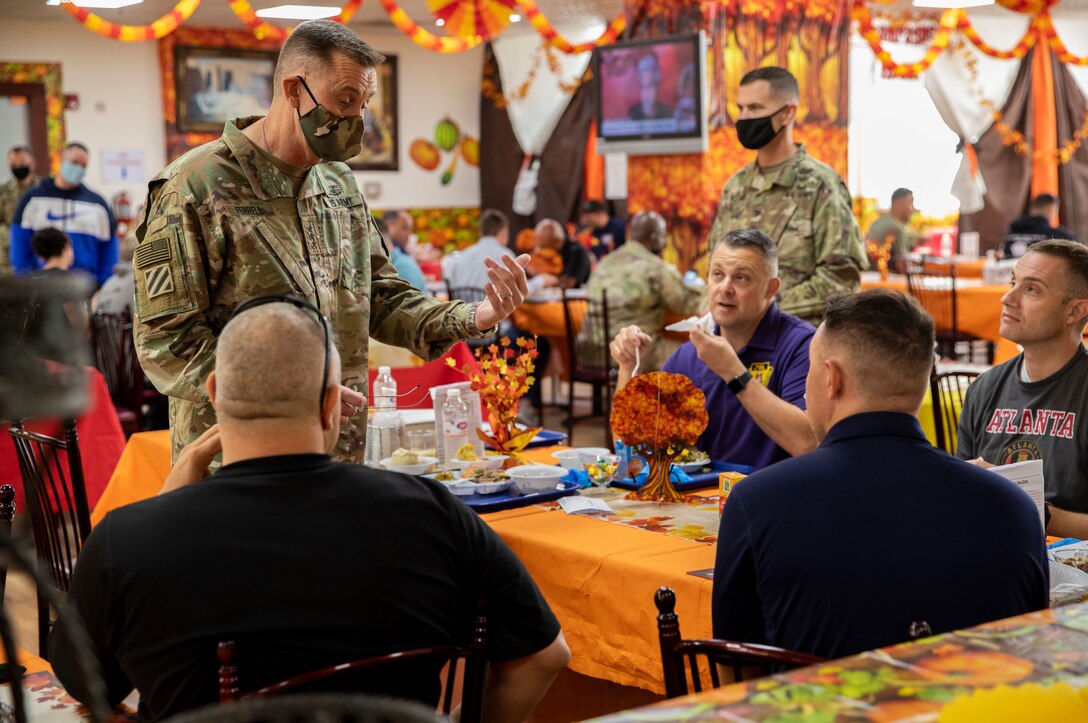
(302, 561)
(1040, 224)
(1032, 406)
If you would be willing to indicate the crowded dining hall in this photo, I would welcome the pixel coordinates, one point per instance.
(544, 360)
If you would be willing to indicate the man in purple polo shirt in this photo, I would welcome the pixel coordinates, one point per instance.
(755, 424)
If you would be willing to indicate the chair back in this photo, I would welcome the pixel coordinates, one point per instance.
(115, 356)
(7, 514)
(589, 354)
(947, 391)
(675, 652)
(57, 497)
(936, 293)
(472, 295)
(230, 678)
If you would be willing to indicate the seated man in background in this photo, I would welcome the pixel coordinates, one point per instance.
(574, 272)
(1040, 223)
(370, 562)
(465, 269)
(53, 247)
(609, 232)
(1030, 406)
(399, 225)
(839, 551)
(892, 227)
(752, 369)
(117, 294)
(641, 288)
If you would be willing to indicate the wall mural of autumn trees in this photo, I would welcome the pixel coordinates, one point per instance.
(809, 38)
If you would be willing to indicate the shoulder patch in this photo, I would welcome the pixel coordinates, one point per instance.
(162, 286)
(154, 251)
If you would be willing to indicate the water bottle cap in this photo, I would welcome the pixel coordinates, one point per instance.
(383, 370)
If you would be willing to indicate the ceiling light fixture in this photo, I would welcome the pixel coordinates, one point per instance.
(515, 18)
(951, 4)
(299, 12)
(100, 4)
(440, 22)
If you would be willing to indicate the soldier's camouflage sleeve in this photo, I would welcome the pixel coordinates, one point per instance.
(171, 271)
(839, 254)
(679, 298)
(719, 227)
(403, 316)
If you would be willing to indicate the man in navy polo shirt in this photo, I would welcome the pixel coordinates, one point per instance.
(840, 550)
(751, 423)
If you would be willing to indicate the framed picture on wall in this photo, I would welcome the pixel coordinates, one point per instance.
(381, 151)
(215, 85)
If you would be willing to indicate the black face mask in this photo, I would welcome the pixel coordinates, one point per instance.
(20, 172)
(754, 133)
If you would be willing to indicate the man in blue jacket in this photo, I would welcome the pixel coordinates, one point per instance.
(65, 203)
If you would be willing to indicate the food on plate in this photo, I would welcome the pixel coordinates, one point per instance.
(692, 456)
(1078, 560)
(404, 457)
(466, 452)
(445, 477)
(484, 476)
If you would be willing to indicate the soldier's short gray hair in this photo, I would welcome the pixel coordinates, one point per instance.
(317, 40)
(753, 238)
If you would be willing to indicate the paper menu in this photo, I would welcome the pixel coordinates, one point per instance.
(574, 505)
(1028, 476)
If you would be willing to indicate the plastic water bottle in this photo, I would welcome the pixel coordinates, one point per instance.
(385, 390)
(455, 430)
(385, 429)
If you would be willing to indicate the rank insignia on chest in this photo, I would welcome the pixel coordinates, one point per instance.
(335, 190)
(761, 371)
(159, 280)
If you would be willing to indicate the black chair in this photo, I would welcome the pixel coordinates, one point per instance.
(675, 652)
(59, 515)
(472, 296)
(589, 359)
(115, 356)
(936, 292)
(947, 391)
(7, 514)
(472, 688)
(312, 708)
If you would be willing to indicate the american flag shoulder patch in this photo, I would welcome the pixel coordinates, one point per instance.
(153, 252)
(158, 280)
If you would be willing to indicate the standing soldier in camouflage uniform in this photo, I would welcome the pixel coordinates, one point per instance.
(21, 161)
(799, 202)
(641, 288)
(258, 212)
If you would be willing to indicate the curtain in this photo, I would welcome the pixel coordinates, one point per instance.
(1070, 107)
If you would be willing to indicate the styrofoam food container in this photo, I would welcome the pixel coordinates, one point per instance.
(531, 478)
(423, 465)
(490, 461)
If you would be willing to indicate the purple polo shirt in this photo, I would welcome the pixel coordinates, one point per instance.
(777, 355)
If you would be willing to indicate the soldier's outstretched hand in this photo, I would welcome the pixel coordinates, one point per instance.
(505, 291)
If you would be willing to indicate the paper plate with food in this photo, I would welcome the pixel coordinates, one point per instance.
(692, 460)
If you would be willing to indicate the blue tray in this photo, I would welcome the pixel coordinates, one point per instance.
(699, 480)
(544, 438)
(510, 498)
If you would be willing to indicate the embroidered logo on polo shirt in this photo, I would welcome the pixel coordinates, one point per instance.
(761, 371)
(1021, 451)
(158, 280)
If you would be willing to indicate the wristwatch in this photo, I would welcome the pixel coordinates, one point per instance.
(737, 385)
(474, 331)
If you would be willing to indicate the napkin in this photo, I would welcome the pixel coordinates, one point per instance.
(677, 476)
(706, 321)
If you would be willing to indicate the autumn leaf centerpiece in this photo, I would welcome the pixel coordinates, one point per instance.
(658, 415)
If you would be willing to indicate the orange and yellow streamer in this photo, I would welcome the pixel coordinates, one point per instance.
(549, 33)
(1046, 24)
(424, 38)
(1018, 51)
(165, 25)
(950, 20)
(262, 30)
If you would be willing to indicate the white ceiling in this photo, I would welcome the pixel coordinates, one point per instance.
(216, 13)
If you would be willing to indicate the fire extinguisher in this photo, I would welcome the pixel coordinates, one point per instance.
(122, 208)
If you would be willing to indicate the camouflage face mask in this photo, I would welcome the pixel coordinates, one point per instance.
(332, 137)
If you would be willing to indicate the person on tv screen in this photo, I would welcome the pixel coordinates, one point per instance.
(687, 104)
(649, 80)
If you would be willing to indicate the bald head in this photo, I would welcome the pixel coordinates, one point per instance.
(648, 228)
(269, 364)
(549, 234)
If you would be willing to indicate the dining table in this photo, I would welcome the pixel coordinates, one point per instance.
(912, 682)
(598, 572)
(45, 698)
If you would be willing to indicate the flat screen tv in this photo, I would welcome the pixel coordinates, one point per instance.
(650, 96)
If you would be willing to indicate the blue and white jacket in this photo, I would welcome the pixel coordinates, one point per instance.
(81, 213)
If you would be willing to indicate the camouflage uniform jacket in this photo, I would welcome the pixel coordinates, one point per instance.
(223, 224)
(10, 194)
(641, 288)
(804, 206)
(888, 227)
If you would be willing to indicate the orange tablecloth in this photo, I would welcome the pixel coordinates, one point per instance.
(101, 441)
(545, 318)
(978, 306)
(598, 577)
(969, 269)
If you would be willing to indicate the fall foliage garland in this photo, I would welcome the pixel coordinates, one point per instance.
(162, 27)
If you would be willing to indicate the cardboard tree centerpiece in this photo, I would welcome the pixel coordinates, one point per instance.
(658, 415)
